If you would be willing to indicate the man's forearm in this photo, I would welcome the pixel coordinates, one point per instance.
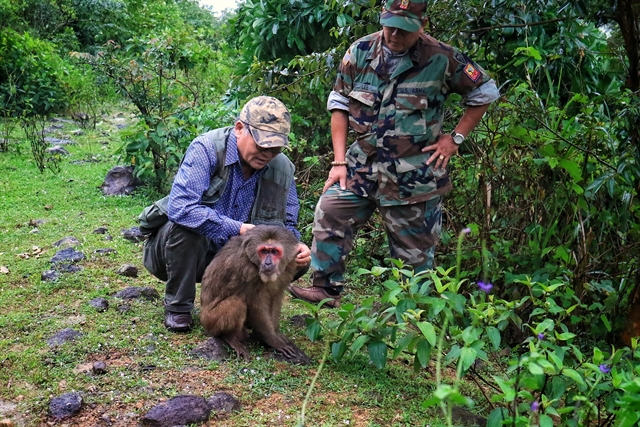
(339, 131)
(471, 118)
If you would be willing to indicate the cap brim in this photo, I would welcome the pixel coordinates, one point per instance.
(268, 139)
(388, 19)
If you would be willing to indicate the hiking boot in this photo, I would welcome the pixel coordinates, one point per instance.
(315, 294)
(178, 322)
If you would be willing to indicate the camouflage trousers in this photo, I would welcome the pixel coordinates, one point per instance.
(412, 232)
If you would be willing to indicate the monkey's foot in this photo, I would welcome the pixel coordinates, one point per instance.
(295, 356)
(237, 345)
(178, 322)
(315, 294)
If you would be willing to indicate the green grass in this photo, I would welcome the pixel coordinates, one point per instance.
(145, 363)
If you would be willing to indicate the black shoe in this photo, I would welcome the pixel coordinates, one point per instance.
(178, 322)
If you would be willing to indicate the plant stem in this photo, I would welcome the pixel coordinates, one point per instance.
(325, 355)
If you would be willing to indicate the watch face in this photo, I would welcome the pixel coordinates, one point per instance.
(458, 138)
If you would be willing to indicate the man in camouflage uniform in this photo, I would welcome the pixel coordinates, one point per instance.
(229, 179)
(391, 90)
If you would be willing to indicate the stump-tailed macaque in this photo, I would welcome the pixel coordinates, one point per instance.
(244, 285)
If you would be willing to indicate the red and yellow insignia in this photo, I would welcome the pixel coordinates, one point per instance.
(472, 72)
(404, 4)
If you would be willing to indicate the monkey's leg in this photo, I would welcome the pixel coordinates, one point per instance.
(266, 327)
(226, 320)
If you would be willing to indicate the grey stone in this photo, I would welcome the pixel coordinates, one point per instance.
(120, 181)
(180, 410)
(99, 367)
(105, 251)
(100, 304)
(58, 141)
(128, 270)
(67, 254)
(223, 402)
(65, 406)
(63, 336)
(68, 241)
(49, 276)
(133, 292)
(57, 149)
(299, 320)
(213, 349)
(67, 268)
(464, 417)
(133, 234)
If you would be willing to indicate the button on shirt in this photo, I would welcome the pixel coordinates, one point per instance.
(222, 221)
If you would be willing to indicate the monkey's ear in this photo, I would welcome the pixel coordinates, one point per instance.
(249, 248)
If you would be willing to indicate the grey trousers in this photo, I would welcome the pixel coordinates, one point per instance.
(180, 256)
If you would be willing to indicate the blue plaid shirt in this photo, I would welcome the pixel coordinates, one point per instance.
(223, 221)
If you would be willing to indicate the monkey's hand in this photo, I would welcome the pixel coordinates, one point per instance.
(239, 348)
(287, 348)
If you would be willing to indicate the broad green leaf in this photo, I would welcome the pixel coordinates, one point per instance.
(467, 357)
(403, 306)
(573, 168)
(545, 421)
(453, 354)
(574, 375)
(496, 417)
(629, 418)
(535, 369)
(507, 389)
(428, 331)
(359, 342)
(338, 349)
(378, 353)
(565, 336)
(494, 336)
(403, 344)
(423, 352)
(313, 330)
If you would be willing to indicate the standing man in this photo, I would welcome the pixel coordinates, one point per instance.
(230, 179)
(391, 90)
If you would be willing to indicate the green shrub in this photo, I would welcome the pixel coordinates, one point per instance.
(33, 78)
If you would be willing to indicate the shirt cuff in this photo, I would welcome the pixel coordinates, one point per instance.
(337, 102)
(483, 94)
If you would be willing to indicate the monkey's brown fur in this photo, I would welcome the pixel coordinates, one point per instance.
(239, 289)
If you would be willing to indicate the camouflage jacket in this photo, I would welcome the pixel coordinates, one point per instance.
(395, 116)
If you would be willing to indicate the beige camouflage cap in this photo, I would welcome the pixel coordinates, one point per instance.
(268, 120)
(404, 14)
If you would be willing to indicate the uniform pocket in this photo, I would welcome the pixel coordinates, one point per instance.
(411, 112)
(362, 110)
(415, 177)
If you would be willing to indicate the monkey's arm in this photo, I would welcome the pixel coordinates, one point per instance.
(265, 322)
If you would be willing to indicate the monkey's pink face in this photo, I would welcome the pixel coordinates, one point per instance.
(270, 256)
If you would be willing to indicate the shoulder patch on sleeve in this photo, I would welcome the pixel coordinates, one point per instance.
(472, 72)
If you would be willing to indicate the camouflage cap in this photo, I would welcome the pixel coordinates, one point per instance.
(404, 14)
(268, 120)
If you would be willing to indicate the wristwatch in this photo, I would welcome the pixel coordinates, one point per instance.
(458, 138)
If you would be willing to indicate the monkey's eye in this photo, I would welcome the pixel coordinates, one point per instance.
(269, 250)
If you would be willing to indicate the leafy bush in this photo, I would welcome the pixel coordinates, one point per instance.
(33, 78)
(553, 377)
